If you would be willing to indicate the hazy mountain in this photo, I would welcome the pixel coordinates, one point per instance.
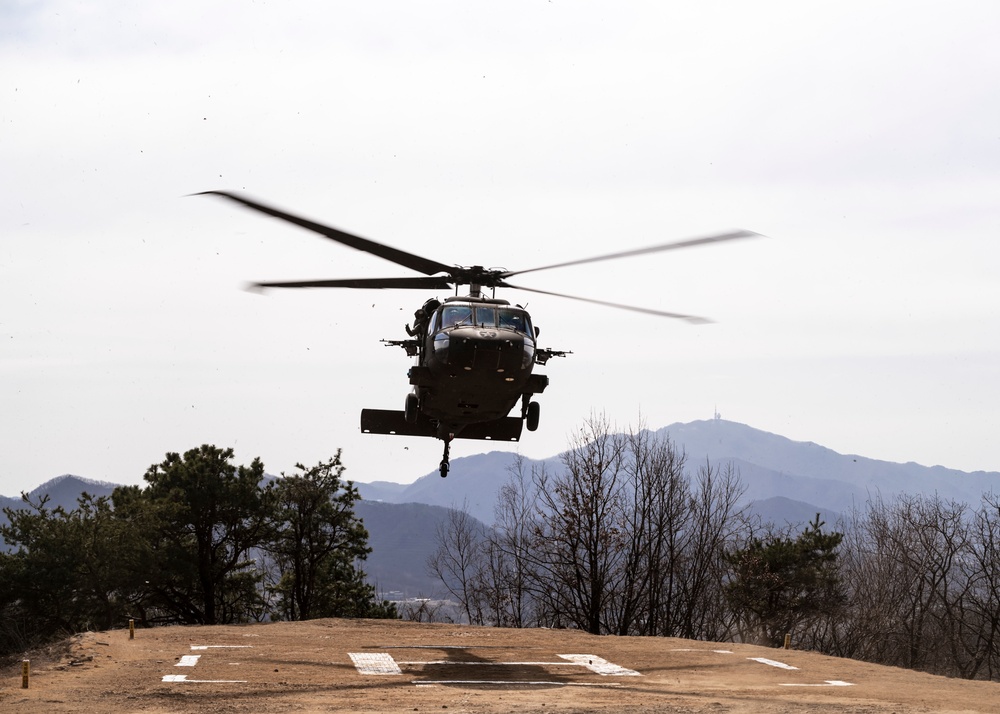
(8, 502)
(472, 485)
(806, 477)
(402, 538)
(62, 491)
(383, 490)
(783, 512)
(772, 464)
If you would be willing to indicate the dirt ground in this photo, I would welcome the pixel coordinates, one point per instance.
(380, 666)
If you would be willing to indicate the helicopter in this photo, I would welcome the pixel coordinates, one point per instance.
(474, 355)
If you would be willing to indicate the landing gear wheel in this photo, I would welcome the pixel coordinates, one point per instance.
(532, 416)
(411, 409)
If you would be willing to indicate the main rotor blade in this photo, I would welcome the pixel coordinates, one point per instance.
(432, 283)
(400, 257)
(718, 238)
(693, 319)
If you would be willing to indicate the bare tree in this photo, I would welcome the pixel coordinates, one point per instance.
(654, 499)
(717, 523)
(985, 595)
(512, 565)
(617, 542)
(580, 530)
(911, 571)
(458, 561)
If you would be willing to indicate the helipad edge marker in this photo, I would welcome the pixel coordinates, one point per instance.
(374, 663)
(600, 666)
(771, 662)
(514, 683)
(183, 678)
(426, 662)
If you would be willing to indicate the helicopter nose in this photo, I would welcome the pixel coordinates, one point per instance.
(485, 350)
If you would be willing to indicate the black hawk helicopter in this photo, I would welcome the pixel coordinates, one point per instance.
(474, 355)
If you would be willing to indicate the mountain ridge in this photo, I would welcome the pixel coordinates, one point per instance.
(770, 466)
(810, 460)
(719, 441)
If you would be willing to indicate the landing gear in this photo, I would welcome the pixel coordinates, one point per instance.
(444, 460)
(531, 415)
(410, 410)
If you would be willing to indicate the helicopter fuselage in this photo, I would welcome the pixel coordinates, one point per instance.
(474, 360)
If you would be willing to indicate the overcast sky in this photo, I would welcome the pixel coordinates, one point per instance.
(862, 138)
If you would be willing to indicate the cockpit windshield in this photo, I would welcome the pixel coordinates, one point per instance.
(509, 318)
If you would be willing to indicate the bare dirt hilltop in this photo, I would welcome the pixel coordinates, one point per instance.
(390, 666)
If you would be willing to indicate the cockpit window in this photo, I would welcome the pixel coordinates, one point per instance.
(514, 319)
(456, 315)
(486, 317)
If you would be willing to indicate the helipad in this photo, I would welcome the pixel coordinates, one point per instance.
(469, 668)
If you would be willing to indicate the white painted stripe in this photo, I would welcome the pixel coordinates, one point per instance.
(188, 661)
(771, 662)
(488, 664)
(828, 683)
(221, 647)
(428, 647)
(698, 649)
(374, 663)
(183, 678)
(513, 683)
(599, 665)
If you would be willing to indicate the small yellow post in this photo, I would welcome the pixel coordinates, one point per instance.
(131, 629)
(25, 672)
(788, 640)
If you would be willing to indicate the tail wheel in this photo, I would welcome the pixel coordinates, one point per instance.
(411, 409)
(532, 416)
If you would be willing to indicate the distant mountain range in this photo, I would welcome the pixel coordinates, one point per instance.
(787, 482)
